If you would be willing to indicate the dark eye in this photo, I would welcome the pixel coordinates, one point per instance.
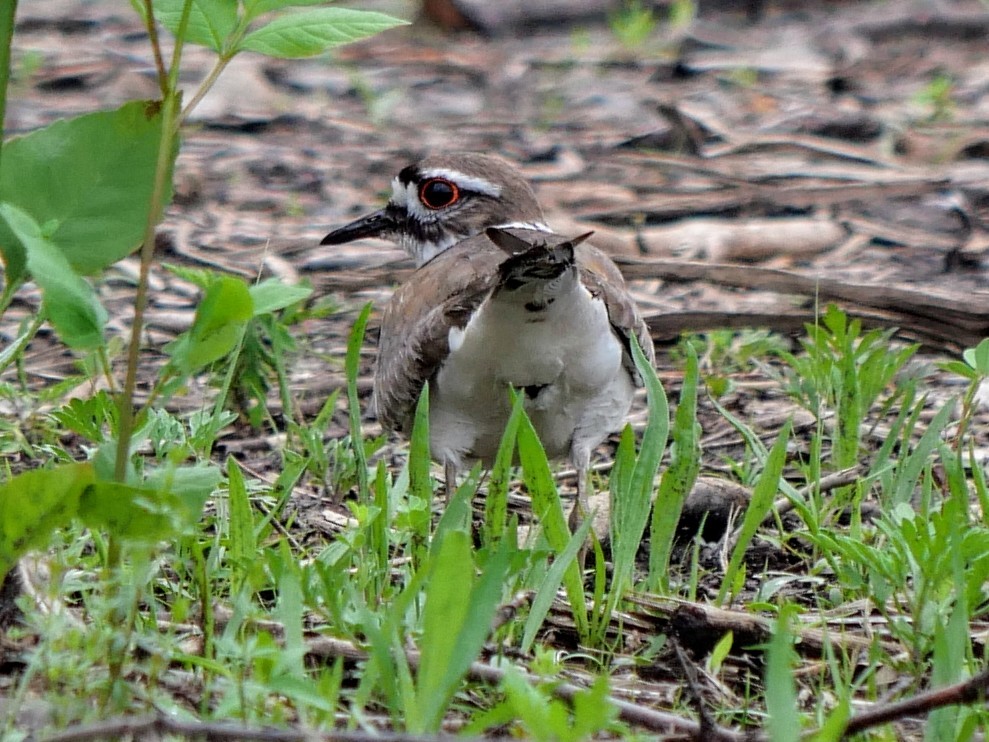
(438, 193)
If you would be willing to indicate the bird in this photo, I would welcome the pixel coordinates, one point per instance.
(498, 300)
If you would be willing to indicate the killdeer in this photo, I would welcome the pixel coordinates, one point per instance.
(498, 300)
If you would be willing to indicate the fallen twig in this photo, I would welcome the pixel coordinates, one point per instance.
(966, 691)
(152, 726)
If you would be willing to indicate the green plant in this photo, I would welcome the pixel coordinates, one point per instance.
(923, 563)
(938, 97)
(846, 371)
(974, 367)
(633, 23)
(82, 193)
(763, 495)
(678, 479)
(541, 717)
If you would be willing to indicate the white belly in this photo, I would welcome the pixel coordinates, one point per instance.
(570, 361)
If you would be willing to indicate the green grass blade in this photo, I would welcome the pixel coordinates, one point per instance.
(781, 691)
(6, 34)
(456, 622)
(621, 471)
(546, 592)
(548, 509)
(630, 508)
(240, 524)
(420, 484)
(751, 439)
(496, 504)
(979, 483)
(353, 367)
(457, 515)
(677, 480)
(909, 472)
(379, 535)
(763, 494)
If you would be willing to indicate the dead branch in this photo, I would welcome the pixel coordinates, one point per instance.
(966, 691)
(153, 726)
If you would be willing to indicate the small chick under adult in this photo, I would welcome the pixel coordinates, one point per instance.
(498, 300)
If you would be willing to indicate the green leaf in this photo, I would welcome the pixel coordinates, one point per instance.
(218, 326)
(546, 592)
(134, 514)
(763, 495)
(254, 8)
(190, 484)
(548, 509)
(311, 32)
(958, 367)
(678, 479)
(69, 301)
(457, 619)
(352, 365)
(271, 295)
(496, 503)
(630, 508)
(210, 21)
(978, 357)
(168, 503)
(36, 503)
(241, 523)
(781, 692)
(88, 181)
(593, 710)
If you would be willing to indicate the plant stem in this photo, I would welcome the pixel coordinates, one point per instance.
(107, 369)
(7, 10)
(166, 152)
(149, 19)
(221, 64)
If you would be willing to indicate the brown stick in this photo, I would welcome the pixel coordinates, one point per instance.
(966, 691)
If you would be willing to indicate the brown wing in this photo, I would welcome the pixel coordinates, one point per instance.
(416, 324)
(603, 279)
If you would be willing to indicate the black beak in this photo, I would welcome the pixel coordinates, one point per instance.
(372, 225)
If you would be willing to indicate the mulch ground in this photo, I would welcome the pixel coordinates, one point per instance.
(743, 171)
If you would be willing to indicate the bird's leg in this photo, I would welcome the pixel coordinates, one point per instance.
(582, 462)
(450, 474)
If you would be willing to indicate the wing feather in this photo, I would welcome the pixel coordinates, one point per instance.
(415, 327)
(603, 279)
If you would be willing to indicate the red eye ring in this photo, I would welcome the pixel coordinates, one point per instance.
(438, 193)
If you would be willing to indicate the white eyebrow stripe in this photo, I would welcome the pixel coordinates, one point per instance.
(468, 182)
(537, 226)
